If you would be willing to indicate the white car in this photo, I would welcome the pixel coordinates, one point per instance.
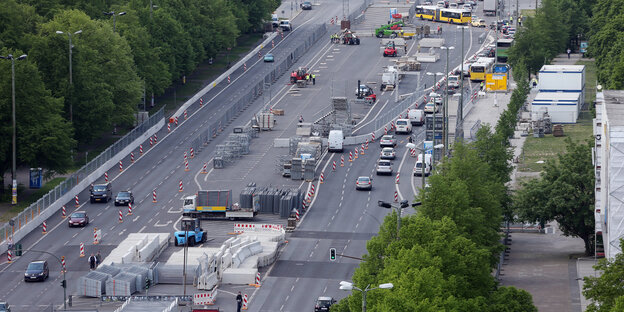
(384, 167)
(285, 25)
(430, 108)
(388, 140)
(387, 153)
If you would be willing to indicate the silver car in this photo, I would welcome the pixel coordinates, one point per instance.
(387, 153)
(384, 167)
(364, 183)
(388, 140)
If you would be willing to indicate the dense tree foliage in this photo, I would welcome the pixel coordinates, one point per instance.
(606, 292)
(148, 50)
(607, 43)
(564, 193)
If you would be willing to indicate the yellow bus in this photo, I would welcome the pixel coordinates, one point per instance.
(433, 13)
(480, 68)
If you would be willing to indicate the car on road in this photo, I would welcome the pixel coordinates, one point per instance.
(384, 166)
(387, 153)
(388, 140)
(101, 192)
(37, 271)
(478, 22)
(4, 307)
(364, 183)
(306, 5)
(323, 304)
(285, 25)
(124, 198)
(78, 218)
(269, 58)
(430, 108)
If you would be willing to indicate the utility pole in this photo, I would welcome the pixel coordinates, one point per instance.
(71, 81)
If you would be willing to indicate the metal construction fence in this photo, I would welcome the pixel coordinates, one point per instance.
(238, 104)
(67, 186)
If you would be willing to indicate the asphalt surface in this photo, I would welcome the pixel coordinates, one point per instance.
(340, 217)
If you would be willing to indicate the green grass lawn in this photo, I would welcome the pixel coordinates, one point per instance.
(590, 80)
(541, 149)
(33, 197)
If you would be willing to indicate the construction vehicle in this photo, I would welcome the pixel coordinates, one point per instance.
(190, 232)
(390, 49)
(217, 204)
(349, 38)
(299, 74)
(389, 78)
(390, 30)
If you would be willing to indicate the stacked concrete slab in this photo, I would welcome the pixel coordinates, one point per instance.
(138, 247)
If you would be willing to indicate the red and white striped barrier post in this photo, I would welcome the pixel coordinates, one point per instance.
(76, 201)
(120, 166)
(63, 264)
(392, 125)
(63, 212)
(396, 196)
(350, 156)
(82, 254)
(9, 256)
(186, 167)
(385, 129)
(176, 120)
(154, 196)
(258, 274)
(297, 215)
(413, 152)
(181, 188)
(201, 102)
(259, 54)
(185, 157)
(245, 296)
(309, 197)
(342, 161)
(334, 166)
(229, 80)
(362, 149)
(129, 209)
(356, 153)
(244, 66)
(373, 137)
(140, 149)
(106, 177)
(397, 177)
(192, 153)
(168, 127)
(45, 227)
(366, 146)
(303, 204)
(312, 191)
(132, 157)
(204, 169)
(120, 216)
(321, 178)
(151, 140)
(155, 138)
(96, 240)
(185, 114)
(272, 43)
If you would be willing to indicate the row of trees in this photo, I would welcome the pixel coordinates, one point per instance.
(114, 61)
(443, 257)
(606, 43)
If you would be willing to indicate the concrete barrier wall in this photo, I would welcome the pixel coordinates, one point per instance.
(56, 206)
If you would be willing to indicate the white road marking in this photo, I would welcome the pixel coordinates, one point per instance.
(143, 228)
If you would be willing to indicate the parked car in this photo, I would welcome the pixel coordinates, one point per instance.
(124, 198)
(388, 140)
(269, 58)
(78, 218)
(37, 271)
(101, 193)
(387, 153)
(384, 166)
(364, 183)
(306, 5)
(323, 304)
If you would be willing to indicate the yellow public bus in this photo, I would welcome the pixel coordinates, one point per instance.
(433, 13)
(479, 70)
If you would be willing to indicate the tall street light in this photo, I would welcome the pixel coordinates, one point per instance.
(344, 285)
(461, 76)
(435, 109)
(445, 108)
(14, 161)
(71, 81)
(152, 7)
(112, 13)
(399, 207)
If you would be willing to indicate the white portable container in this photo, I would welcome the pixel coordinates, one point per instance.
(563, 107)
(335, 141)
(566, 78)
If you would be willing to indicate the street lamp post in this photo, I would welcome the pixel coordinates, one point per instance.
(461, 76)
(435, 108)
(112, 13)
(445, 107)
(344, 285)
(13, 121)
(71, 81)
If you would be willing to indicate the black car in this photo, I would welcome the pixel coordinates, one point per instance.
(78, 218)
(37, 271)
(124, 198)
(306, 5)
(323, 304)
(101, 193)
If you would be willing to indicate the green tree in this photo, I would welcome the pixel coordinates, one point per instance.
(17, 23)
(564, 193)
(606, 292)
(511, 299)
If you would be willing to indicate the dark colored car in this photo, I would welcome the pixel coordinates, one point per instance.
(78, 218)
(37, 271)
(323, 304)
(306, 5)
(124, 198)
(101, 193)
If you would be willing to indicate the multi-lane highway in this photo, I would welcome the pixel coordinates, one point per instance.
(340, 217)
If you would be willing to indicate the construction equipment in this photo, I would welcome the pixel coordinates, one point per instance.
(217, 204)
(299, 74)
(390, 49)
(190, 229)
(390, 30)
(349, 38)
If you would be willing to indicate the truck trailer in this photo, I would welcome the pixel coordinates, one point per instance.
(217, 204)
(490, 7)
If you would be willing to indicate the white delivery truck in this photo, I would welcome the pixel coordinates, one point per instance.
(416, 117)
(403, 126)
(335, 140)
(419, 167)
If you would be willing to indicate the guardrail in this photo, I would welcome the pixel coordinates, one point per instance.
(27, 220)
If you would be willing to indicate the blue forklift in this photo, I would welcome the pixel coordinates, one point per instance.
(190, 228)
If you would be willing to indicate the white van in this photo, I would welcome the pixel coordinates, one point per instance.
(335, 140)
(418, 167)
(403, 126)
(416, 117)
(453, 81)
